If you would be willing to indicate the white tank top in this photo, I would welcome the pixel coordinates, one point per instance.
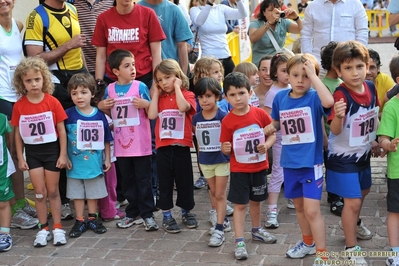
(10, 56)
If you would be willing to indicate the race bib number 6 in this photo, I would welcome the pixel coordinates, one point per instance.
(37, 128)
(208, 135)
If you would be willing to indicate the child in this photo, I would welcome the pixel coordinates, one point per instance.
(331, 81)
(88, 135)
(214, 164)
(265, 82)
(278, 73)
(174, 107)
(6, 170)
(298, 112)
(251, 71)
(389, 139)
(39, 128)
(128, 101)
(351, 143)
(242, 138)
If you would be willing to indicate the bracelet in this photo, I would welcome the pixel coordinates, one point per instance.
(295, 19)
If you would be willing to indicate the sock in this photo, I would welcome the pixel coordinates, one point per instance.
(184, 212)
(321, 251)
(396, 249)
(255, 229)
(5, 230)
(92, 216)
(271, 207)
(80, 218)
(308, 240)
(213, 209)
(359, 222)
(166, 215)
(43, 226)
(57, 226)
(237, 240)
(21, 203)
(219, 227)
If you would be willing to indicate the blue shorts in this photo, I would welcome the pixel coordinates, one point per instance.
(349, 185)
(303, 182)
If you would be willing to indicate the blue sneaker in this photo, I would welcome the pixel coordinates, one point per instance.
(5, 242)
(200, 183)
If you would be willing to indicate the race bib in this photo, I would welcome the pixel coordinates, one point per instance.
(363, 127)
(124, 113)
(245, 146)
(10, 165)
(208, 135)
(1, 150)
(171, 124)
(11, 72)
(296, 126)
(37, 128)
(90, 135)
(254, 100)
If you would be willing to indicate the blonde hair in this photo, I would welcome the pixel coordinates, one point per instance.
(171, 67)
(300, 59)
(36, 64)
(247, 68)
(203, 66)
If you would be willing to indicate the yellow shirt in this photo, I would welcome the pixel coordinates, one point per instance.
(383, 83)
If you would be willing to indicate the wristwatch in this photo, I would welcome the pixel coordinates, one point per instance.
(209, 3)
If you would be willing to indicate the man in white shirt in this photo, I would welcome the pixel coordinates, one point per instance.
(332, 20)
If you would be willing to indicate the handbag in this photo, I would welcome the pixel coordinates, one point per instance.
(194, 53)
(276, 46)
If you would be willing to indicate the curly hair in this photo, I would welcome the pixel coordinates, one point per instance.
(265, 4)
(203, 66)
(171, 67)
(36, 64)
(326, 54)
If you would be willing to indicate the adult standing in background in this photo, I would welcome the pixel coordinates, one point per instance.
(176, 29)
(10, 56)
(210, 20)
(393, 9)
(232, 24)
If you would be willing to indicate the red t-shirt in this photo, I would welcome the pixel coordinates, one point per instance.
(134, 32)
(169, 102)
(24, 107)
(231, 123)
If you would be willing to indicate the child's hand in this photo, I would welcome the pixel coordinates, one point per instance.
(68, 165)
(177, 83)
(226, 147)
(309, 68)
(108, 103)
(62, 162)
(269, 130)
(375, 149)
(140, 103)
(262, 148)
(106, 166)
(23, 165)
(340, 108)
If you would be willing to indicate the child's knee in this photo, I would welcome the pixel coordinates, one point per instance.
(312, 213)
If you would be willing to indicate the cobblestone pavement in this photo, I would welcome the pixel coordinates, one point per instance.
(135, 246)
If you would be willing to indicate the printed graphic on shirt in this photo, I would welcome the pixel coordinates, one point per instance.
(116, 35)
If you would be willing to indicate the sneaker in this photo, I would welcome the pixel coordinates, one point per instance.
(5, 242)
(271, 221)
(150, 224)
(23, 220)
(97, 226)
(290, 204)
(171, 226)
(360, 261)
(361, 231)
(59, 237)
(216, 239)
(213, 217)
(66, 212)
(42, 237)
(263, 236)
(190, 220)
(119, 215)
(78, 229)
(229, 210)
(128, 222)
(392, 261)
(241, 251)
(29, 210)
(226, 227)
(300, 250)
(336, 207)
(200, 183)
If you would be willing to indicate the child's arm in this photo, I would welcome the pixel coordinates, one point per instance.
(153, 107)
(387, 144)
(19, 146)
(106, 105)
(336, 124)
(62, 161)
(272, 128)
(182, 104)
(107, 151)
(270, 140)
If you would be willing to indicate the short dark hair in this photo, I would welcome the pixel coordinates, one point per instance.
(394, 67)
(265, 4)
(346, 51)
(208, 83)
(375, 56)
(116, 57)
(265, 57)
(237, 80)
(82, 80)
(326, 54)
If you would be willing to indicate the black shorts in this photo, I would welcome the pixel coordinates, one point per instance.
(248, 186)
(43, 155)
(6, 108)
(393, 195)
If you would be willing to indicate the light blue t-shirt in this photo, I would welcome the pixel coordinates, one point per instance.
(174, 26)
(121, 90)
(393, 7)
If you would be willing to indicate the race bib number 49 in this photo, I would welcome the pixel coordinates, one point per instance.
(171, 124)
(37, 128)
(296, 126)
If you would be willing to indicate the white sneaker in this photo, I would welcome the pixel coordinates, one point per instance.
(213, 217)
(59, 237)
(355, 254)
(240, 251)
(216, 239)
(271, 221)
(41, 238)
(361, 231)
(392, 261)
(290, 204)
(229, 210)
(300, 250)
(263, 236)
(23, 220)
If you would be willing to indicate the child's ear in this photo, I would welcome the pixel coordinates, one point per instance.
(338, 71)
(397, 80)
(115, 71)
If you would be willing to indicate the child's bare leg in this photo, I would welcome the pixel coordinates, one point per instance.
(37, 177)
(239, 220)
(220, 197)
(273, 198)
(53, 194)
(5, 214)
(92, 206)
(254, 212)
(79, 208)
(316, 222)
(365, 192)
(393, 229)
(300, 214)
(350, 216)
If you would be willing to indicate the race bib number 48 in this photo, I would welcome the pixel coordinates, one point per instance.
(37, 128)
(246, 146)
